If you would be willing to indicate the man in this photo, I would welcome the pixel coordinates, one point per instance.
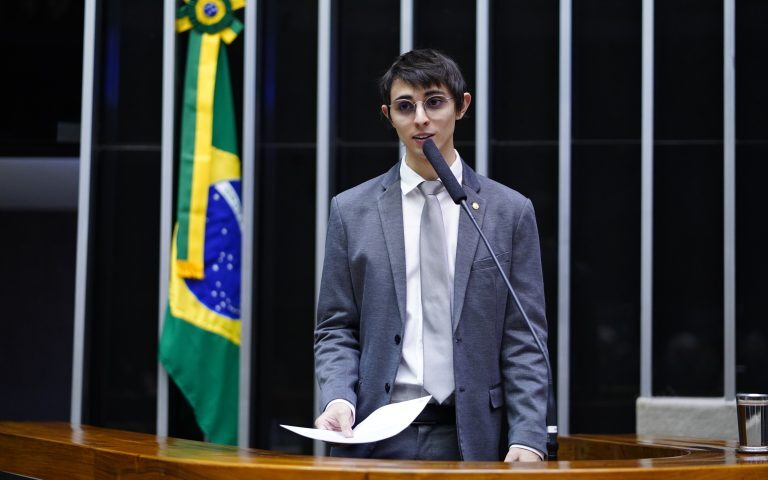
(411, 303)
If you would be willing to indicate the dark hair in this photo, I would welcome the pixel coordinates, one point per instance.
(425, 68)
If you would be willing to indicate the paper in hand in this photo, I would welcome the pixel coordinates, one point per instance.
(385, 422)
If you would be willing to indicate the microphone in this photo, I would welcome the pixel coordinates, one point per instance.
(444, 172)
(459, 197)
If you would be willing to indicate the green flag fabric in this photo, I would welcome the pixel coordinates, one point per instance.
(200, 342)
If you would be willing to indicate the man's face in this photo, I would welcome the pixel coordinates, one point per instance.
(434, 117)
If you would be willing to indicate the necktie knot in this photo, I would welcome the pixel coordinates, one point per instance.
(431, 187)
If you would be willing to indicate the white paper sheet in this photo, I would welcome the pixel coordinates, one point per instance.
(385, 422)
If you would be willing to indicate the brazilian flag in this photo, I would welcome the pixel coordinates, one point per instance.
(200, 342)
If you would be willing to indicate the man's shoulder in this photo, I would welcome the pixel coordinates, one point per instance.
(367, 191)
(362, 190)
(494, 190)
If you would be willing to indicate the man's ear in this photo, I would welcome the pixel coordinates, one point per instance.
(385, 112)
(467, 101)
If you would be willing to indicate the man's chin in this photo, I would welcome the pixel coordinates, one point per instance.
(419, 149)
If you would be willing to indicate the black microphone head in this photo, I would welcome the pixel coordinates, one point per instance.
(443, 171)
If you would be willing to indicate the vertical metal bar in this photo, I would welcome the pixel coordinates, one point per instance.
(729, 192)
(646, 227)
(406, 25)
(406, 36)
(564, 222)
(323, 154)
(166, 197)
(83, 213)
(251, 36)
(481, 88)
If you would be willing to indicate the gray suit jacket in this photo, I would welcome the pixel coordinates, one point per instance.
(500, 376)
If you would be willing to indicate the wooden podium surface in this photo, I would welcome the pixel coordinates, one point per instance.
(58, 451)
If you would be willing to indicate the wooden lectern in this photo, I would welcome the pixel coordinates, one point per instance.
(59, 451)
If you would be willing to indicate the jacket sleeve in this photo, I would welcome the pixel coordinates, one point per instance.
(337, 338)
(524, 368)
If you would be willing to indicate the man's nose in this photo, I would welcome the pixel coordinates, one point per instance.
(421, 114)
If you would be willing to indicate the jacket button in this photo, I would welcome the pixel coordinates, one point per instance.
(397, 339)
(461, 389)
(386, 387)
(458, 339)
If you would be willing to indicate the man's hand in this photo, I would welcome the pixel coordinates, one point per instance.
(521, 455)
(337, 417)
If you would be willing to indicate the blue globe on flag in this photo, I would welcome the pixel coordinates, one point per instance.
(219, 291)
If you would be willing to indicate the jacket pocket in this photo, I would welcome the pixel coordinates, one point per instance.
(496, 394)
(487, 262)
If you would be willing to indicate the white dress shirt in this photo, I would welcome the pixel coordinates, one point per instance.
(410, 374)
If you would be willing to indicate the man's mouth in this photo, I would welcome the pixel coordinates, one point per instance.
(423, 136)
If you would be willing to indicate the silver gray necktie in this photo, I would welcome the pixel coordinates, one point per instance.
(435, 296)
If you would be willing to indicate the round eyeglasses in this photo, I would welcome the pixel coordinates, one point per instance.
(433, 105)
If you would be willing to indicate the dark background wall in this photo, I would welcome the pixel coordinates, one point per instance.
(37, 246)
(41, 81)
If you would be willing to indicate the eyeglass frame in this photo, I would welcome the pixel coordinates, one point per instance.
(415, 106)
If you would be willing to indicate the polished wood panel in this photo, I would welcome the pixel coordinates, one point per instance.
(59, 451)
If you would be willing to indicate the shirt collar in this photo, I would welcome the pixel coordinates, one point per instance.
(409, 179)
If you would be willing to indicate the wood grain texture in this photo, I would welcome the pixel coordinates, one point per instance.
(58, 451)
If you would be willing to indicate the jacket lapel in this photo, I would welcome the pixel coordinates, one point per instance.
(468, 238)
(391, 213)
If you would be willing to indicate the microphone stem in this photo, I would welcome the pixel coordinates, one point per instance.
(552, 445)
